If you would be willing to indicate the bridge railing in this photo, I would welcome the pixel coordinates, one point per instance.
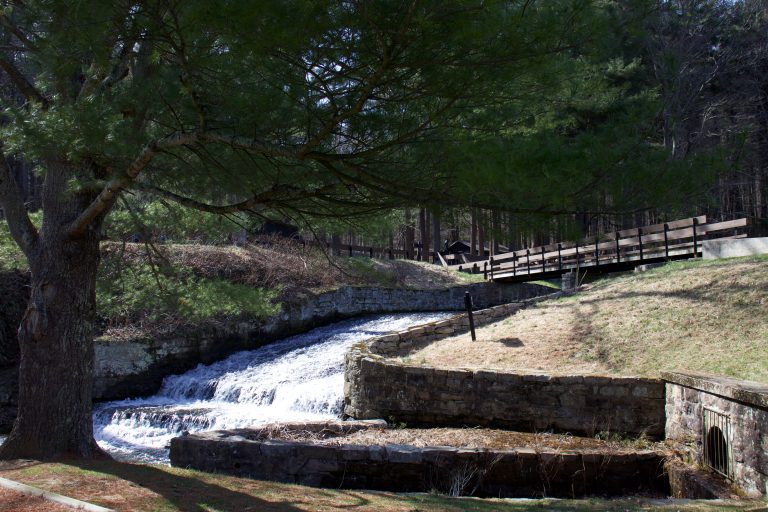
(675, 239)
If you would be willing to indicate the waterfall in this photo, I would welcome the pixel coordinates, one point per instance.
(298, 378)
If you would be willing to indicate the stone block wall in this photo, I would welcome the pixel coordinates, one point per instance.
(744, 403)
(377, 387)
(521, 472)
(130, 368)
(137, 367)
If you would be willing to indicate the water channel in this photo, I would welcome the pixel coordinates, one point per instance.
(298, 378)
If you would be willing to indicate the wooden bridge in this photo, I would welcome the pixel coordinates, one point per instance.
(622, 250)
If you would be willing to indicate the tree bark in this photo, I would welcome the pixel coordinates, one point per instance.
(481, 233)
(56, 334)
(437, 241)
(426, 237)
(473, 251)
(410, 234)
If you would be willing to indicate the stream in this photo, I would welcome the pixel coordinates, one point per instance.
(294, 379)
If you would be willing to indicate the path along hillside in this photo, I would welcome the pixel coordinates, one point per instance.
(709, 316)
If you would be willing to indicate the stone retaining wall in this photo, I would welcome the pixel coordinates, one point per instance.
(137, 367)
(744, 403)
(130, 368)
(376, 387)
(522, 472)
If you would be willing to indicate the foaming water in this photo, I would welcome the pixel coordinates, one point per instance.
(298, 378)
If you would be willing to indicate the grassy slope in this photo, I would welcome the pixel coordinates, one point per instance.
(707, 316)
(133, 487)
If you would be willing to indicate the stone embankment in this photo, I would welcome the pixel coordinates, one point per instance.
(514, 472)
(377, 387)
(129, 368)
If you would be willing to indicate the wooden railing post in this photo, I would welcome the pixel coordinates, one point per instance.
(640, 239)
(474, 268)
(350, 250)
(618, 249)
(391, 256)
(491, 268)
(666, 240)
(370, 251)
(485, 270)
(543, 261)
(695, 240)
(514, 264)
(577, 254)
(559, 257)
(528, 260)
(597, 252)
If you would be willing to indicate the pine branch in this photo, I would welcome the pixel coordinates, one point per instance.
(22, 230)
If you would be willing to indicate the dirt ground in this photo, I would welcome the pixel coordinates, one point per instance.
(703, 316)
(18, 502)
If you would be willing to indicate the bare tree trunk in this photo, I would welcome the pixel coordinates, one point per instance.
(336, 244)
(481, 233)
(495, 228)
(436, 238)
(473, 243)
(422, 231)
(410, 234)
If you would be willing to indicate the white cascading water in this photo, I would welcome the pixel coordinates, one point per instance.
(298, 378)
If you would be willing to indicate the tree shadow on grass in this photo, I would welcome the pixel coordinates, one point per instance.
(510, 342)
(183, 492)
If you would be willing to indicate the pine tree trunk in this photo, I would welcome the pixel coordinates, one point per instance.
(56, 366)
(426, 237)
(437, 241)
(56, 333)
(481, 234)
(409, 234)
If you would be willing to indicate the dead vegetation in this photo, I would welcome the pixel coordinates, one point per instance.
(291, 267)
(700, 316)
(471, 438)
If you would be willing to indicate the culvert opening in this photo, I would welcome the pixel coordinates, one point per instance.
(716, 445)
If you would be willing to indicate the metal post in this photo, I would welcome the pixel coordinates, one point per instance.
(666, 241)
(640, 239)
(468, 305)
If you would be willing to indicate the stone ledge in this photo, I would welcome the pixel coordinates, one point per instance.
(745, 391)
(510, 472)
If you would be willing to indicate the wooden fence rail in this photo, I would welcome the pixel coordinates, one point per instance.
(672, 240)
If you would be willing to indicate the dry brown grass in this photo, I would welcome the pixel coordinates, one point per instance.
(700, 316)
(134, 487)
(473, 438)
(278, 263)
